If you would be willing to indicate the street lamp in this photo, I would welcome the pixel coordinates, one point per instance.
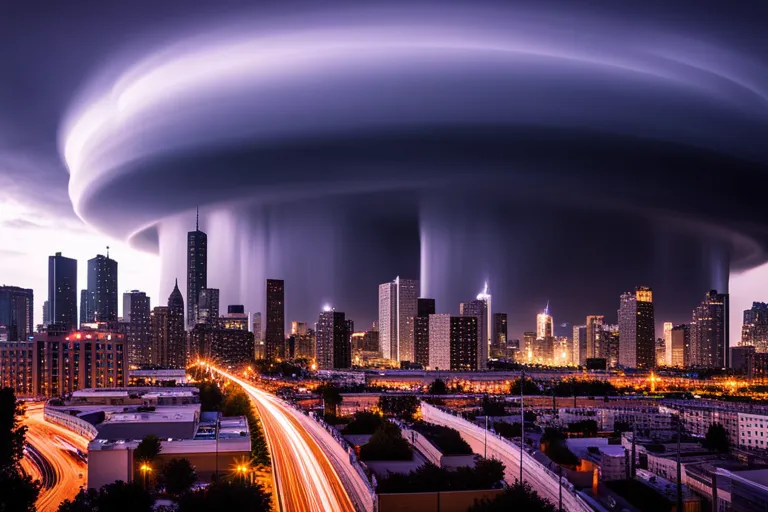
(146, 469)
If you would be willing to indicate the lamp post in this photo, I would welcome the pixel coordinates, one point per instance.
(146, 470)
(522, 424)
(218, 424)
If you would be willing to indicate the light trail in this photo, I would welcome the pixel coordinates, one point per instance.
(305, 478)
(48, 441)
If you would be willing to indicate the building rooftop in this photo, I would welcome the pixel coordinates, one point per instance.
(160, 414)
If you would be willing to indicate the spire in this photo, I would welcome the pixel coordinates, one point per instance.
(107, 252)
(546, 310)
(197, 223)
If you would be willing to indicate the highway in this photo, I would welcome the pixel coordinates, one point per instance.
(51, 456)
(305, 479)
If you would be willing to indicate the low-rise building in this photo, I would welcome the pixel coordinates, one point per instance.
(16, 363)
(610, 459)
(753, 431)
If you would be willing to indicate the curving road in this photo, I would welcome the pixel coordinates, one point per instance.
(51, 456)
(305, 479)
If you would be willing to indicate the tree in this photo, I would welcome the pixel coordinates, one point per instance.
(211, 398)
(148, 449)
(237, 403)
(364, 422)
(493, 406)
(438, 387)
(17, 491)
(178, 476)
(516, 497)
(717, 439)
(386, 443)
(331, 398)
(400, 406)
(621, 426)
(115, 497)
(227, 495)
(529, 387)
(508, 430)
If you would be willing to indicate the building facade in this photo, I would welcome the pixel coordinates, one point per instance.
(137, 317)
(424, 308)
(16, 313)
(478, 309)
(102, 289)
(579, 345)
(637, 338)
(679, 345)
(208, 306)
(62, 291)
(754, 330)
(398, 306)
(168, 348)
(274, 336)
(16, 365)
(197, 271)
(332, 341)
(710, 323)
(499, 346)
(594, 336)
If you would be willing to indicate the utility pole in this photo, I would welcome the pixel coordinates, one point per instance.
(485, 442)
(679, 468)
(632, 465)
(522, 424)
(560, 485)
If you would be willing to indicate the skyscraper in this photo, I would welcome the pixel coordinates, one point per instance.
(637, 338)
(236, 318)
(46, 312)
(479, 310)
(544, 324)
(299, 328)
(208, 306)
(197, 270)
(258, 339)
(452, 342)
(136, 313)
(333, 341)
(754, 330)
(274, 337)
(16, 312)
(610, 345)
(398, 303)
(668, 342)
(102, 288)
(580, 345)
(425, 307)
(594, 336)
(484, 347)
(679, 342)
(169, 339)
(710, 319)
(86, 307)
(62, 291)
(499, 348)
(529, 345)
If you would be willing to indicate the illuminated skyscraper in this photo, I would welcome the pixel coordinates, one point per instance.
(486, 334)
(274, 336)
(258, 339)
(544, 324)
(197, 270)
(398, 305)
(528, 348)
(754, 331)
(711, 331)
(452, 342)
(86, 308)
(668, 343)
(102, 288)
(610, 345)
(637, 340)
(299, 328)
(333, 342)
(499, 345)
(594, 336)
(208, 306)
(169, 339)
(579, 345)
(16, 312)
(62, 291)
(136, 314)
(679, 342)
(425, 308)
(479, 310)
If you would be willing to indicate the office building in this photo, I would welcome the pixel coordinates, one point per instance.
(62, 291)
(529, 342)
(668, 343)
(544, 324)
(594, 336)
(138, 332)
(610, 345)
(740, 359)
(16, 312)
(544, 350)
(299, 328)
(332, 342)
(236, 318)
(169, 344)
(484, 342)
(65, 361)
(499, 347)
(208, 306)
(16, 367)
(425, 307)
(258, 339)
(679, 341)
(197, 270)
(274, 337)
(452, 342)
(367, 342)
(579, 345)
(710, 340)
(754, 330)
(398, 305)
(86, 308)
(304, 345)
(637, 337)
(46, 313)
(561, 351)
(227, 347)
(479, 310)
(102, 289)
(661, 352)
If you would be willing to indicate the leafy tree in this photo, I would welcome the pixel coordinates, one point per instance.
(553, 444)
(516, 497)
(364, 422)
(115, 497)
(237, 403)
(493, 406)
(227, 495)
(438, 387)
(211, 398)
(508, 430)
(486, 474)
(331, 398)
(386, 443)
(400, 406)
(178, 476)
(579, 387)
(529, 387)
(17, 491)
(717, 439)
(148, 449)
(446, 439)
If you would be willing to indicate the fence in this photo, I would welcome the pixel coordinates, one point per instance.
(73, 423)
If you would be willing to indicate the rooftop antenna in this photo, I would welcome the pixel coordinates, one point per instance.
(547, 308)
(107, 252)
(197, 219)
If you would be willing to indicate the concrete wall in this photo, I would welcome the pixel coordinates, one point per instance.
(449, 501)
(107, 466)
(73, 423)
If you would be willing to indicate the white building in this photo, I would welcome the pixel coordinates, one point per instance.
(668, 343)
(440, 341)
(398, 304)
(753, 431)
